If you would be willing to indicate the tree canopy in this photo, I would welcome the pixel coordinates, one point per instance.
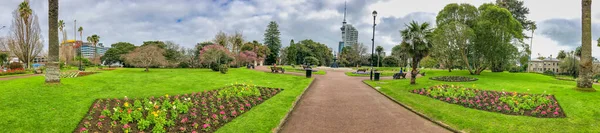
(273, 42)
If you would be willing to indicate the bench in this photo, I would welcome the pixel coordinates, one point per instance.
(277, 69)
(361, 71)
(306, 67)
(399, 75)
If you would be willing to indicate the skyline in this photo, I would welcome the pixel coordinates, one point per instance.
(191, 22)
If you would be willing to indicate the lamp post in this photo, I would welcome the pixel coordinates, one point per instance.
(373, 44)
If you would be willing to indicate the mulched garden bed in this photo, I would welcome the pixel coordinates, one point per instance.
(512, 103)
(205, 111)
(81, 74)
(454, 78)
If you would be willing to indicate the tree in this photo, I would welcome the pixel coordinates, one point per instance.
(570, 65)
(116, 52)
(417, 42)
(215, 55)
(261, 50)
(454, 35)
(246, 57)
(172, 53)
(273, 42)
(236, 40)
(379, 50)
(561, 55)
(221, 39)
(146, 56)
(585, 65)
(94, 39)
(61, 26)
(578, 51)
(3, 59)
(428, 62)
(400, 55)
(311, 60)
(309, 48)
(496, 31)
(390, 61)
(25, 39)
(53, 66)
(80, 32)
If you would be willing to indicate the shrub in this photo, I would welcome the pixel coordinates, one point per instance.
(15, 65)
(223, 68)
(514, 70)
(454, 78)
(549, 73)
(311, 61)
(13, 71)
(214, 66)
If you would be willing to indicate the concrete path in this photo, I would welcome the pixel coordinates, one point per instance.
(339, 103)
(18, 77)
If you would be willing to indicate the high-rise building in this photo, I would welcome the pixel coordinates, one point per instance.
(88, 49)
(349, 33)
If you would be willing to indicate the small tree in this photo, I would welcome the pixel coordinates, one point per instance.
(246, 57)
(311, 60)
(146, 56)
(214, 55)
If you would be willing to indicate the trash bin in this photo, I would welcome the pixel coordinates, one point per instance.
(308, 73)
(377, 76)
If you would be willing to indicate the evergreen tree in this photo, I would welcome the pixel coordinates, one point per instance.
(273, 42)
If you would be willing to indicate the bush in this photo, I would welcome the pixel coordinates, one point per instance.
(454, 78)
(515, 70)
(183, 65)
(13, 71)
(224, 68)
(549, 73)
(15, 65)
(311, 61)
(214, 66)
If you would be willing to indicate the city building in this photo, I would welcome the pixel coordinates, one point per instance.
(70, 50)
(349, 34)
(552, 64)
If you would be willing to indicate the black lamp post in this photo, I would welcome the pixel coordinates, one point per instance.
(373, 44)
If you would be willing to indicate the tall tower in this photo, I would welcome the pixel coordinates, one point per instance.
(349, 33)
(343, 28)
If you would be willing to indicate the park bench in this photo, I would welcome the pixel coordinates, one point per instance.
(277, 69)
(361, 71)
(399, 75)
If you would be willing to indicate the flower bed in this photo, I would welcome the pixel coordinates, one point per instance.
(453, 78)
(81, 74)
(197, 112)
(512, 103)
(13, 72)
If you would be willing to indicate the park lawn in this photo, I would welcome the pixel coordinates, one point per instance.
(582, 108)
(290, 69)
(383, 74)
(29, 105)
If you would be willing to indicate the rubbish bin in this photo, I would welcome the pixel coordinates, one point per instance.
(308, 73)
(377, 76)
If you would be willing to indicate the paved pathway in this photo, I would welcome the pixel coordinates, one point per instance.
(339, 103)
(18, 77)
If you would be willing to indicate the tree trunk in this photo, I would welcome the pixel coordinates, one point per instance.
(585, 65)
(449, 69)
(53, 66)
(147, 70)
(413, 73)
(466, 60)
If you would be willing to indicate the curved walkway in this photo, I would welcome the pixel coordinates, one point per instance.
(339, 103)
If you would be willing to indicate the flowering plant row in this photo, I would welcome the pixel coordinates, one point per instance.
(13, 71)
(513, 103)
(453, 78)
(196, 112)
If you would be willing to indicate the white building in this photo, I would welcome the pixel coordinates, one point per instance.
(349, 34)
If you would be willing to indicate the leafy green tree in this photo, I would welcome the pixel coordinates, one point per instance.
(417, 42)
(53, 71)
(311, 60)
(159, 44)
(390, 61)
(561, 55)
(173, 53)
(569, 64)
(236, 40)
(400, 55)
(80, 33)
(585, 66)
(379, 50)
(273, 42)
(221, 39)
(429, 62)
(116, 52)
(495, 31)
(454, 36)
(3, 59)
(308, 48)
(518, 11)
(578, 51)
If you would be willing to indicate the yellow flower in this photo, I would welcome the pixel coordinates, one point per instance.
(167, 95)
(155, 113)
(126, 104)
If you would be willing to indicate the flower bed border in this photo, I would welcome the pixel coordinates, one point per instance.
(471, 79)
(483, 108)
(213, 128)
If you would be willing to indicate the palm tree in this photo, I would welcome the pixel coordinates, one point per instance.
(81, 33)
(24, 11)
(94, 39)
(53, 69)
(379, 50)
(585, 65)
(61, 26)
(416, 42)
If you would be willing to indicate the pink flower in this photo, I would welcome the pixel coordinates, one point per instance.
(182, 128)
(247, 105)
(234, 113)
(421, 93)
(557, 109)
(544, 113)
(224, 117)
(259, 99)
(214, 116)
(101, 116)
(222, 112)
(184, 120)
(555, 113)
(206, 125)
(82, 129)
(126, 126)
(221, 107)
(194, 132)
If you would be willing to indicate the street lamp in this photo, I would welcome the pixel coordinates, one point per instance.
(373, 44)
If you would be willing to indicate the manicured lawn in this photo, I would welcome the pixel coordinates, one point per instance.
(298, 70)
(582, 108)
(29, 105)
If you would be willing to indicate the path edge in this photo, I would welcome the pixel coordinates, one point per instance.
(287, 115)
(439, 123)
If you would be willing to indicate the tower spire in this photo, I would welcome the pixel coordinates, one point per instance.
(344, 12)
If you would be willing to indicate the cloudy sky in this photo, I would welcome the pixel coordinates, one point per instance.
(188, 22)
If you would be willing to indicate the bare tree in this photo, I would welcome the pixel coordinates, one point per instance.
(25, 38)
(146, 57)
(221, 39)
(236, 40)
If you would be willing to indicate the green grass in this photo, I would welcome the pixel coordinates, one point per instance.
(383, 74)
(290, 69)
(582, 108)
(29, 105)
